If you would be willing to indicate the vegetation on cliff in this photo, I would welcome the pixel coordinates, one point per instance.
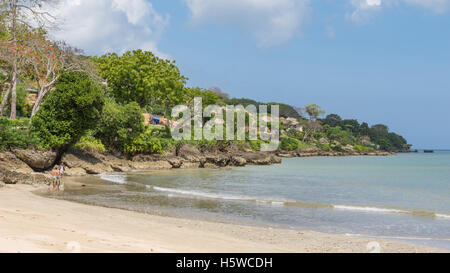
(56, 98)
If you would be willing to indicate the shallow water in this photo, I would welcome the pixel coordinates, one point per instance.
(402, 197)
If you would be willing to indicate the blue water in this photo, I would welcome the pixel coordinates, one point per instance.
(404, 197)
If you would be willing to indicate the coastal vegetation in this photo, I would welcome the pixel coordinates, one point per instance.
(59, 99)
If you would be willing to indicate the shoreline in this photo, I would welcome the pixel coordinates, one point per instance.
(33, 167)
(39, 224)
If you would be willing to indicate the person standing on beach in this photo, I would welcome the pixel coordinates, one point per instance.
(56, 177)
(61, 173)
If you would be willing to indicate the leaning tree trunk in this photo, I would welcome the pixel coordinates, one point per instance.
(4, 100)
(39, 101)
(13, 115)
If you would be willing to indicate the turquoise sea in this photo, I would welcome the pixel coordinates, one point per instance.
(402, 197)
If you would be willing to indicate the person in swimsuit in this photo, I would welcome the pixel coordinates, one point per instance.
(61, 173)
(56, 177)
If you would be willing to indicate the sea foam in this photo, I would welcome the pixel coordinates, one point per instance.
(114, 178)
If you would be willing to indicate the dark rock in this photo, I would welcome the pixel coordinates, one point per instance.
(219, 160)
(15, 171)
(37, 160)
(75, 172)
(238, 161)
(92, 163)
(176, 162)
(14, 177)
(151, 165)
(258, 158)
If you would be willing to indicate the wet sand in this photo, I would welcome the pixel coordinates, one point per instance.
(31, 223)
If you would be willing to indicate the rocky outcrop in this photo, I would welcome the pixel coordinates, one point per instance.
(37, 160)
(13, 177)
(219, 160)
(15, 171)
(190, 153)
(19, 166)
(90, 162)
(347, 152)
(176, 162)
(238, 161)
(75, 172)
(261, 158)
(9, 162)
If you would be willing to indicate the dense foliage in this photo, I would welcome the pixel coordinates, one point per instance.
(120, 125)
(347, 131)
(141, 77)
(14, 134)
(76, 113)
(72, 108)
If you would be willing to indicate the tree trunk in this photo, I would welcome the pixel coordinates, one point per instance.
(13, 115)
(42, 92)
(14, 67)
(4, 100)
(37, 105)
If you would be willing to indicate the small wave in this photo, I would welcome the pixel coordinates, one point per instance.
(216, 196)
(201, 194)
(368, 209)
(416, 213)
(445, 216)
(289, 203)
(309, 205)
(114, 178)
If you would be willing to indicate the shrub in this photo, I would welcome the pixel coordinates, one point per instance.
(362, 148)
(255, 145)
(72, 108)
(91, 144)
(324, 146)
(119, 125)
(337, 148)
(342, 136)
(145, 143)
(289, 144)
(302, 145)
(15, 134)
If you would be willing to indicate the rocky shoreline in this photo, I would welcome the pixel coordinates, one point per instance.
(33, 167)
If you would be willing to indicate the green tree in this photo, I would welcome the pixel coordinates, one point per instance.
(378, 131)
(314, 111)
(332, 120)
(289, 144)
(120, 125)
(286, 110)
(72, 108)
(338, 134)
(139, 76)
(397, 141)
(364, 129)
(208, 97)
(351, 125)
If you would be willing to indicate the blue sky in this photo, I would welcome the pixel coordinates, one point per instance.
(380, 61)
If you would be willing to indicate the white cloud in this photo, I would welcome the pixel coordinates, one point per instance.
(271, 22)
(364, 9)
(102, 26)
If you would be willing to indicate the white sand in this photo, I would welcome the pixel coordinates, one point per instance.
(30, 223)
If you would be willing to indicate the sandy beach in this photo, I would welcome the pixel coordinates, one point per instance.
(31, 223)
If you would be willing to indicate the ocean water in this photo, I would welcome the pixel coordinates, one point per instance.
(402, 197)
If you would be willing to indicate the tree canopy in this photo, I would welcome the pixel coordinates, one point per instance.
(139, 76)
(74, 107)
